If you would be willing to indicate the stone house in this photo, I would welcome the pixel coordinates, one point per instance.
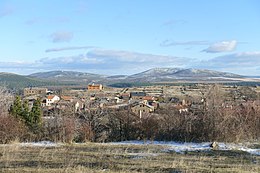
(34, 91)
(142, 108)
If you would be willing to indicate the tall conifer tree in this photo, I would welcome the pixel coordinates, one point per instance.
(36, 113)
(16, 108)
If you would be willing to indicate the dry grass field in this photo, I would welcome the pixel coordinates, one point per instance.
(92, 157)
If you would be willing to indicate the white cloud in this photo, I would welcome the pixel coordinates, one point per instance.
(76, 61)
(243, 59)
(102, 61)
(68, 48)
(135, 57)
(61, 36)
(224, 46)
(109, 62)
(126, 62)
(247, 63)
(167, 43)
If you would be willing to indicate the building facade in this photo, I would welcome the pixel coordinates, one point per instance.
(34, 91)
(95, 87)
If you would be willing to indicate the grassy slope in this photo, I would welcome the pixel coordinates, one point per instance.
(117, 158)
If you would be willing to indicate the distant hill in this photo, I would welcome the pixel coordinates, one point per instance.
(68, 76)
(117, 77)
(155, 75)
(150, 76)
(174, 74)
(18, 82)
(15, 81)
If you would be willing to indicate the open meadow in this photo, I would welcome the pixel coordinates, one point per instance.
(97, 157)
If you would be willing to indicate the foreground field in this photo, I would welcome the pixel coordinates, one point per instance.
(92, 157)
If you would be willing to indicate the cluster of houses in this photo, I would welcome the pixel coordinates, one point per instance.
(94, 97)
(139, 100)
(51, 101)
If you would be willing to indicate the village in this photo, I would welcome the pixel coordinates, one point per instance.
(140, 100)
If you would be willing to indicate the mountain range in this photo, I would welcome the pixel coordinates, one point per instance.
(151, 75)
(179, 74)
(154, 75)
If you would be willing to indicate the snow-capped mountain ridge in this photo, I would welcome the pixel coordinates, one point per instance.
(151, 75)
(181, 73)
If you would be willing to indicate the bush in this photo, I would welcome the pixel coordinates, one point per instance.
(11, 129)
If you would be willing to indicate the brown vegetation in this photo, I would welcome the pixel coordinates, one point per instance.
(94, 158)
(11, 129)
(210, 120)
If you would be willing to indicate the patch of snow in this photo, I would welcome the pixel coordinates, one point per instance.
(59, 75)
(40, 144)
(252, 151)
(190, 146)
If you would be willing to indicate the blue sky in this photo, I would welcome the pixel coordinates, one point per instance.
(126, 37)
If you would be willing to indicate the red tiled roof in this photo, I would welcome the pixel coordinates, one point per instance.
(50, 97)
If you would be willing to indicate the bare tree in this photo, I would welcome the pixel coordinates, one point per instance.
(123, 125)
(6, 99)
(10, 128)
(97, 122)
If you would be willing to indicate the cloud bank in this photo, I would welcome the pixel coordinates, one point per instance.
(224, 46)
(238, 59)
(247, 63)
(101, 61)
(110, 62)
(68, 48)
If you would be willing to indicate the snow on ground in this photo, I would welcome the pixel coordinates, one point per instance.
(189, 146)
(40, 144)
(170, 146)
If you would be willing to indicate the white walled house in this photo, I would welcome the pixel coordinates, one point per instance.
(52, 99)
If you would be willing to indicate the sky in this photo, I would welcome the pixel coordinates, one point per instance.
(129, 36)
